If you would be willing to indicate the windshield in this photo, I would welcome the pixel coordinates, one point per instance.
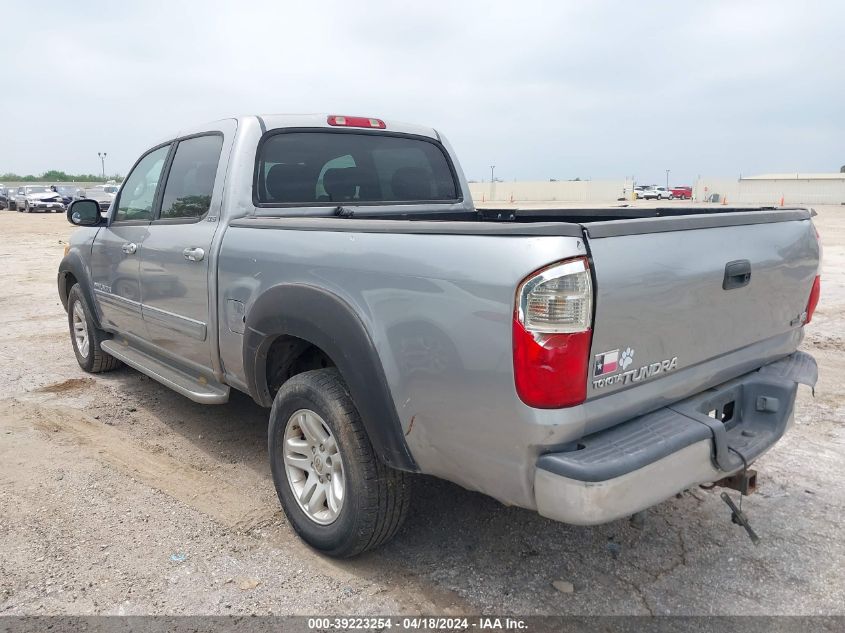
(338, 167)
(35, 189)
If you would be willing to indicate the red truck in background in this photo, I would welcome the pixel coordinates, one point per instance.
(681, 192)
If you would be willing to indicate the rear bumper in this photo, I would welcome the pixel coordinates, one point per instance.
(634, 465)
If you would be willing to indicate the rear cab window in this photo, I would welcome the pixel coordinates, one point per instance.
(334, 167)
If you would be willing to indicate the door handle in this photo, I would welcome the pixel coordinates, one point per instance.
(737, 274)
(129, 248)
(194, 254)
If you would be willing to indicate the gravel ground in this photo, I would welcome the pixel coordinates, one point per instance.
(119, 496)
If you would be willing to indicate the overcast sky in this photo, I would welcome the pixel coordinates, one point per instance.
(541, 90)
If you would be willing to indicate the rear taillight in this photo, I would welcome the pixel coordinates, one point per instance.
(815, 292)
(356, 121)
(552, 334)
(814, 298)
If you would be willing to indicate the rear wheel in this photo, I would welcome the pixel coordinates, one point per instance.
(338, 496)
(86, 337)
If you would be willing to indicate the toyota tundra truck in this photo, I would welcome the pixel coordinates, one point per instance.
(583, 363)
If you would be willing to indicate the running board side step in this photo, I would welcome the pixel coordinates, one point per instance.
(197, 388)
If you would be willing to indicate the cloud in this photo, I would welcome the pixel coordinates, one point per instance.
(599, 90)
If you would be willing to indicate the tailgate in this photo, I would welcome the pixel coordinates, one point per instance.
(676, 297)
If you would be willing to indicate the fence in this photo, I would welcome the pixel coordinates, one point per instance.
(830, 190)
(540, 191)
(772, 192)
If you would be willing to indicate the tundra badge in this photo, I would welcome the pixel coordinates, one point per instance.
(612, 361)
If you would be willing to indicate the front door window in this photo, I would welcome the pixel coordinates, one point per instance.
(138, 193)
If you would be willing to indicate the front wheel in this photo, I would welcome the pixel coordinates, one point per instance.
(338, 496)
(86, 337)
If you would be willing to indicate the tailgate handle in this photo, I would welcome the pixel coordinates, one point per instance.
(737, 274)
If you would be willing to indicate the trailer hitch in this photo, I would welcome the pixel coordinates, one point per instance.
(744, 481)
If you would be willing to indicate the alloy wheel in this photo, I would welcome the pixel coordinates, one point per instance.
(80, 330)
(313, 466)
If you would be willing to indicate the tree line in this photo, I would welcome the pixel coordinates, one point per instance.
(54, 175)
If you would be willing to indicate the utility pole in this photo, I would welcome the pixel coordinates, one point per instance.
(492, 178)
(102, 156)
(667, 179)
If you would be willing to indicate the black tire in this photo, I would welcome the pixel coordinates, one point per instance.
(376, 497)
(12, 206)
(96, 361)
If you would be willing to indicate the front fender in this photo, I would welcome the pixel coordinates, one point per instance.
(327, 321)
(72, 267)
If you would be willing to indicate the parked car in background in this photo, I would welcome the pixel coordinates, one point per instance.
(4, 197)
(38, 198)
(663, 193)
(69, 193)
(682, 192)
(103, 194)
(646, 193)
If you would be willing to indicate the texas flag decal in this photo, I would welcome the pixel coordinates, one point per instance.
(606, 363)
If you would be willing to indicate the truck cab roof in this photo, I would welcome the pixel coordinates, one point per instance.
(275, 121)
(280, 121)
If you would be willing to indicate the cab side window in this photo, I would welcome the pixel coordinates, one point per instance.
(138, 193)
(190, 182)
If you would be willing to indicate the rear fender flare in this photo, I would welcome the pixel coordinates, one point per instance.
(327, 321)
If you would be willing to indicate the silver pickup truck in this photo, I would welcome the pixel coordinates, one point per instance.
(586, 364)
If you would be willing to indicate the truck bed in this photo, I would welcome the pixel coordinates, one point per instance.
(439, 294)
(608, 213)
(597, 222)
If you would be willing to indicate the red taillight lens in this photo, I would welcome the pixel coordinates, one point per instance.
(552, 335)
(814, 298)
(356, 121)
(550, 370)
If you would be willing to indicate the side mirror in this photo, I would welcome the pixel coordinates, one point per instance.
(84, 213)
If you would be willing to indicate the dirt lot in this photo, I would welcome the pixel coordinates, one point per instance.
(118, 496)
